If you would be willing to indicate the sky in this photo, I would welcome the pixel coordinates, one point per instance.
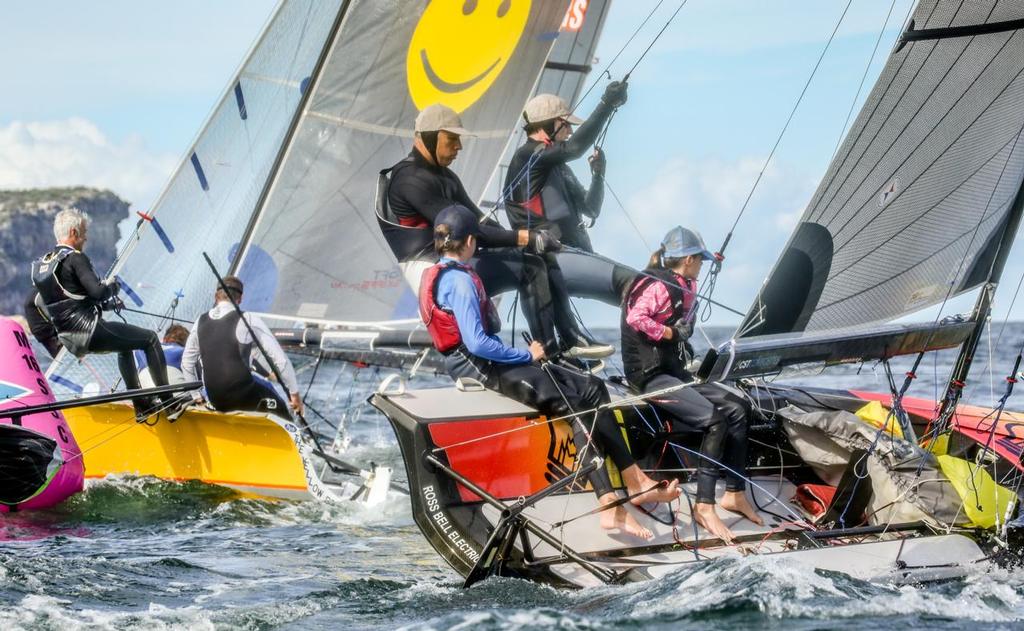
(110, 94)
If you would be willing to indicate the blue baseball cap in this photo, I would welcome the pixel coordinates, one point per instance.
(680, 242)
(460, 220)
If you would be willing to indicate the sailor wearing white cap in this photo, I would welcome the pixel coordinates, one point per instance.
(412, 193)
(542, 191)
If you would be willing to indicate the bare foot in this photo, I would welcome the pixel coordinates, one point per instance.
(620, 518)
(737, 502)
(662, 493)
(708, 519)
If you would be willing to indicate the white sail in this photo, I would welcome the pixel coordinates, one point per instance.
(211, 195)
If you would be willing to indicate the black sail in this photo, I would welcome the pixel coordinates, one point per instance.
(918, 194)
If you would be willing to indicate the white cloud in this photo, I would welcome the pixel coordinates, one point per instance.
(707, 195)
(787, 221)
(75, 152)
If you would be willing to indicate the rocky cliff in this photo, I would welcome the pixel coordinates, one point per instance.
(26, 232)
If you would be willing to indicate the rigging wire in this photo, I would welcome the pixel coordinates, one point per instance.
(607, 66)
(711, 277)
(599, 143)
(625, 212)
(654, 41)
(569, 248)
(1002, 329)
(954, 391)
(785, 127)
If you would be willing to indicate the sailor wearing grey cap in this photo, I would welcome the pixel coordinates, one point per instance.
(657, 322)
(410, 195)
(542, 191)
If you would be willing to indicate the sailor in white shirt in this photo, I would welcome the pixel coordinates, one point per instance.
(221, 351)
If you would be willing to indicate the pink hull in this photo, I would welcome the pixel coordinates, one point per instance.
(24, 384)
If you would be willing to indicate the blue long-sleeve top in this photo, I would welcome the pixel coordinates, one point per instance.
(457, 293)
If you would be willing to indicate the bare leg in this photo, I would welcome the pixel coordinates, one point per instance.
(636, 481)
(737, 502)
(707, 518)
(620, 518)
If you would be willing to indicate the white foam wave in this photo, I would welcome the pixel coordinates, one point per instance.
(49, 613)
(781, 588)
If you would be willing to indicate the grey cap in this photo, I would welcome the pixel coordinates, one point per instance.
(439, 117)
(680, 242)
(545, 107)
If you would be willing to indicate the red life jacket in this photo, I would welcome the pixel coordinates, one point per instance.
(441, 324)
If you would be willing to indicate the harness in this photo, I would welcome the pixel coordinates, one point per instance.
(558, 204)
(225, 362)
(643, 358)
(440, 322)
(408, 237)
(74, 316)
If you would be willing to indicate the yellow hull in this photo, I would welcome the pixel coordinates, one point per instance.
(250, 453)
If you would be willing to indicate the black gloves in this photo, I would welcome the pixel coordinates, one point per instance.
(112, 304)
(541, 241)
(597, 162)
(682, 331)
(615, 94)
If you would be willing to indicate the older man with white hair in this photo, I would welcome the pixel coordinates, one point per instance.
(75, 298)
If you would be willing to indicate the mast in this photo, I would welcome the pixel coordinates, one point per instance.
(325, 52)
(982, 309)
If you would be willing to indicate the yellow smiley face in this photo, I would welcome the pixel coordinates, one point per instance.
(460, 47)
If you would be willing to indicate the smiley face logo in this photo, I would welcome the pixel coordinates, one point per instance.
(460, 47)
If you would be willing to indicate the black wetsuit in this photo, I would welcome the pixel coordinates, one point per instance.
(419, 190)
(543, 193)
(73, 295)
(40, 326)
(230, 383)
(715, 410)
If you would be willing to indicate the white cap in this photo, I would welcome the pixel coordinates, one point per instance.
(545, 107)
(438, 117)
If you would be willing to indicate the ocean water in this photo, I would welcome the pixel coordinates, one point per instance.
(133, 553)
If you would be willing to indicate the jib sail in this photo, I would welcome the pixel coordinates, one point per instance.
(915, 203)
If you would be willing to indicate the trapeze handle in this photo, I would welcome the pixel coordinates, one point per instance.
(383, 388)
(468, 384)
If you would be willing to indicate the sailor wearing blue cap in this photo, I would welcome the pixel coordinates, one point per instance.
(464, 324)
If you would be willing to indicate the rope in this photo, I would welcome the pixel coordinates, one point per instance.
(605, 259)
(605, 71)
(605, 406)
